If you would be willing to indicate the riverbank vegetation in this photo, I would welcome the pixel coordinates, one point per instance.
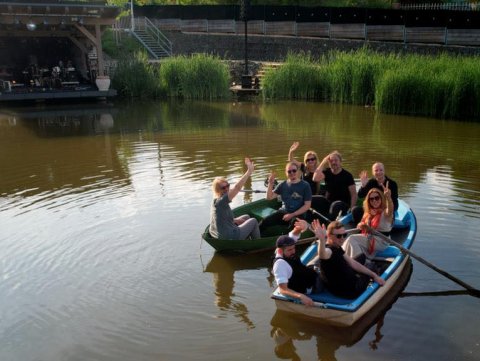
(445, 86)
(200, 76)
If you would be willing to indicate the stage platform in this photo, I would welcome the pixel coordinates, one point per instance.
(78, 93)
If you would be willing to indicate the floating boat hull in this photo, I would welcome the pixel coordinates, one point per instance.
(343, 312)
(258, 209)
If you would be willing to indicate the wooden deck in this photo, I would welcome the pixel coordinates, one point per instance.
(79, 93)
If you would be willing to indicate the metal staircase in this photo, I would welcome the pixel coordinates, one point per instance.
(154, 41)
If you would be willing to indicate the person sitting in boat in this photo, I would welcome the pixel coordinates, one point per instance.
(296, 196)
(378, 180)
(341, 192)
(378, 215)
(341, 274)
(307, 168)
(223, 225)
(293, 278)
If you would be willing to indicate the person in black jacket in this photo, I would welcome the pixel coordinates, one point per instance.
(379, 181)
(343, 276)
(293, 278)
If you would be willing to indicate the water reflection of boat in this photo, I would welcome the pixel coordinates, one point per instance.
(345, 312)
(223, 268)
(288, 327)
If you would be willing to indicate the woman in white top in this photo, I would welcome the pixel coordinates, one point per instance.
(378, 213)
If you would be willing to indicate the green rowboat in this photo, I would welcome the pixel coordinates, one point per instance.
(258, 209)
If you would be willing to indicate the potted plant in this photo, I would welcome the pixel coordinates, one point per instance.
(103, 82)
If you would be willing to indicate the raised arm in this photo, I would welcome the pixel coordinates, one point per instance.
(291, 157)
(271, 181)
(362, 191)
(318, 174)
(388, 198)
(241, 182)
(321, 234)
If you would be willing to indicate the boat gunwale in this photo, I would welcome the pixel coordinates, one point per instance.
(356, 306)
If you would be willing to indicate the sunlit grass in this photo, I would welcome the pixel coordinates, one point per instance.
(135, 77)
(200, 76)
(298, 78)
(444, 86)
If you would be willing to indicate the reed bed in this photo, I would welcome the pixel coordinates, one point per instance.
(200, 76)
(298, 78)
(136, 77)
(444, 86)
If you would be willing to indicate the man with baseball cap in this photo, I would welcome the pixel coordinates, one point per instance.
(293, 278)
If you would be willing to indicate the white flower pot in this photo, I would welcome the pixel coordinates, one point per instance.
(103, 83)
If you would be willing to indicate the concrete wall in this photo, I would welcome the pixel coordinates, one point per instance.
(275, 48)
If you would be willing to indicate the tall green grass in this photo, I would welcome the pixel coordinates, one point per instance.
(354, 75)
(135, 77)
(298, 78)
(200, 76)
(444, 86)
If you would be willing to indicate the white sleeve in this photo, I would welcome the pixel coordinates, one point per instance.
(295, 237)
(282, 271)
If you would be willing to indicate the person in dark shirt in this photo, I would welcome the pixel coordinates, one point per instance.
(293, 278)
(341, 192)
(343, 276)
(379, 181)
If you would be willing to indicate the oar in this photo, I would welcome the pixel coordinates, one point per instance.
(473, 291)
(437, 293)
(321, 215)
(252, 191)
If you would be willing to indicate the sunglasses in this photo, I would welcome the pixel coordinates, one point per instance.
(290, 171)
(376, 198)
(225, 186)
(311, 159)
(340, 235)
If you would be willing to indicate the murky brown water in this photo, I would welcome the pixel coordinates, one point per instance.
(102, 207)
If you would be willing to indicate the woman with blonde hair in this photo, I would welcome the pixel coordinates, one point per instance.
(310, 163)
(223, 225)
(378, 210)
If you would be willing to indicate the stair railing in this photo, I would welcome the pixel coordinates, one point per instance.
(144, 23)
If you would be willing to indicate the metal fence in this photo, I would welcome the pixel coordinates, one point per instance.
(457, 6)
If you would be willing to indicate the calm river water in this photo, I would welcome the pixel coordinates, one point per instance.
(102, 208)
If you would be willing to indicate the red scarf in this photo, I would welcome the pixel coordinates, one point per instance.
(373, 220)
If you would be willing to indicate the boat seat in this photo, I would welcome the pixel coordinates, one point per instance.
(402, 216)
(389, 252)
(327, 297)
(261, 213)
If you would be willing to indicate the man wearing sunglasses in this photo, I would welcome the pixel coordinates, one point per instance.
(343, 276)
(296, 197)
